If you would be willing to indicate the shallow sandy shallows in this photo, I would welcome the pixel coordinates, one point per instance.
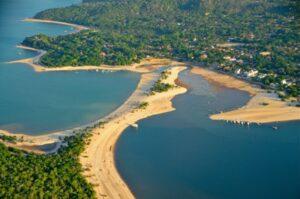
(263, 107)
(98, 157)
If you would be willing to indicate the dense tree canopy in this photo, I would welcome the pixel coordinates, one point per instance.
(26, 175)
(125, 31)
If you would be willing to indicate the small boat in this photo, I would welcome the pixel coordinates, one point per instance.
(134, 125)
(275, 127)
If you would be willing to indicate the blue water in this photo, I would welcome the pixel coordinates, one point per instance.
(184, 154)
(36, 103)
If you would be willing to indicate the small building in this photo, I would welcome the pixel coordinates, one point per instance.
(240, 61)
(262, 75)
(203, 56)
(232, 59)
(273, 85)
(265, 53)
(251, 36)
(251, 73)
(238, 71)
(227, 57)
(286, 82)
(103, 54)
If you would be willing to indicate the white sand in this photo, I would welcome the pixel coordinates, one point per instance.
(77, 27)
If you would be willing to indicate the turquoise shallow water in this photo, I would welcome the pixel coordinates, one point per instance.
(35, 103)
(184, 154)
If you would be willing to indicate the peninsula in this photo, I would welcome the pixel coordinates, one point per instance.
(263, 107)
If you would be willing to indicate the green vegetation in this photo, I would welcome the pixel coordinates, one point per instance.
(165, 74)
(125, 31)
(143, 105)
(160, 87)
(6, 138)
(26, 175)
(87, 48)
(265, 104)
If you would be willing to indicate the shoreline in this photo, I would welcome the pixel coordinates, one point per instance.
(146, 65)
(263, 107)
(102, 172)
(75, 26)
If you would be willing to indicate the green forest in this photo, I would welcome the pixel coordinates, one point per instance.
(27, 175)
(125, 31)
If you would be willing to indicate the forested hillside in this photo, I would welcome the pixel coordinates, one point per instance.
(265, 34)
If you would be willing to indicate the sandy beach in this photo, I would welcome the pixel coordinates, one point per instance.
(75, 26)
(263, 107)
(32, 143)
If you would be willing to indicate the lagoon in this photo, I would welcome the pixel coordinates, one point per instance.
(39, 103)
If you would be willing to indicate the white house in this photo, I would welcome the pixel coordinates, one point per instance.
(229, 58)
(238, 71)
(285, 82)
(251, 73)
(265, 53)
(262, 75)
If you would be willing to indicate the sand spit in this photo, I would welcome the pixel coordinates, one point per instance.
(98, 157)
(75, 26)
(263, 107)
